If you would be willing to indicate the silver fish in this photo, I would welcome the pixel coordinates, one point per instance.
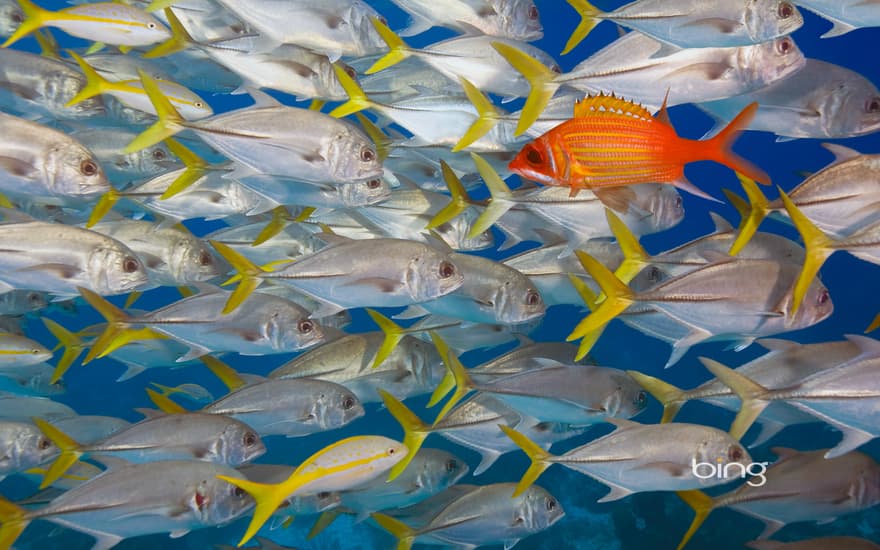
(517, 19)
(23, 446)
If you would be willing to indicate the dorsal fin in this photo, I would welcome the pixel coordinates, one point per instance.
(596, 104)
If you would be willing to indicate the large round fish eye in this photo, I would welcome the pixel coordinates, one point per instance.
(130, 265)
(368, 155)
(250, 439)
(88, 168)
(785, 10)
(374, 184)
(533, 156)
(641, 399)
(451, 465)
(735, 453)
(784, 45)
(205, 258)
(305, 326)
(533, 12)
(348, 403)
(159, 154)
(822, 299)
(872, 105)
(533, 298)
(550, 503)
(447, 270)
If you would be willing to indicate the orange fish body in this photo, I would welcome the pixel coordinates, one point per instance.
(612, 142)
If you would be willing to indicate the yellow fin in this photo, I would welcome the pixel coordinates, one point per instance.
(170, 122)
(393, 332)
(323, 522)
(588, 22)
(196, 167)
(95, 83)
(35, 17)
(758, 209)
(448, 382)
(591, 301)
(671, 397)
(380, 140)
(48, 44)
(179, 41)
(70, 452)
(414, 430)
(752, 395)
(818, 247)
(268, 498)
(118, 332)
(487, 116)
(875, 324)
(250, 275)
(634, 256)
(541, 79)
(399, 49)
(702, 504)
(592, 105)
(499, 190)
(132, 298)
(617, 297)
(458, 202)
(224, 372)
(538, 456)
(463, 383)
(357, 99)
(71, 344)
(404, 534)
(13, 520)
(105, 204)
(164, 402)
(316, 104)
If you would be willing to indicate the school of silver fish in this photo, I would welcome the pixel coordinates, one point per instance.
(265, 229)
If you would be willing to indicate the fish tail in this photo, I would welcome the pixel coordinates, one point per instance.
(414, 430)
(671, 397)
(751, 216)
(499, 191)
(458, 203)
(118, 332)
(247, 272)
(224, 372)
(14, 520)
(875, 324)
(357, 99)
(132, 297)
(196, 167)
(268, 497)
(48, 44)
(165, 403)
(447, 384)
(818, 247)
(399, 49)
(591, 300)
(461, 379)
(323, 522)
(278, 221)
(71, 344)
(95, 83)
(487, 115)
(589, 20)
(179, 41)
(618, 297)
(71, 451)
(702, 504)
(541, 80)
(393, 332)
(753, 395)
(404, 534)
(635, 258)
(536, 454)
(35, 17)
(104, 205)
(719, 149)
(170, 121)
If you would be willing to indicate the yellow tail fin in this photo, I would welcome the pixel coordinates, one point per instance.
(224, 372)
(35, 17)
(488, 116)
(71, 344)
(541, 79)
(404, 534)
(357, 99)
(196, 167)
(447, 384)
(457, 204)
(394, 333)
(118, 331)
(247, 270)
(635, 258)
(617, 297)
(414, 430)
(323, 522)
(588, 22)
(268, 498)
(499, 191)
(671, 397)
(818, 247)
(463, 383)
(753, 395)
(70, 452)
(875, 324)
(95, 83)
(399, 49)
(536, 454)
(48, 44)
(164, 402)
(170, 122)
(179, 41)
(702, 504)
(105, 204)
(13, 520)
(280, 217)
(591, 300)
(757, 212)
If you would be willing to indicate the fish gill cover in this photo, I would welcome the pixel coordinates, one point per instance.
(449, 270)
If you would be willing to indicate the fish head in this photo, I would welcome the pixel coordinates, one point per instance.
(435, 470)
(537, 510)
(652, 207)
(363, 193)
(238, 443)
(288, 327)
(335, 406)
(519, 20)
(29, 446)
(432, 274)
(152, 160)
(11, 16)
(770, 61)
(769, 19)
(541, 162)
(328, 85)
(192, 261)
(62, 87)
(816, 306)
(116, 270)
(455, 233)
(849, 106)
(352, 156)
(360, 17)
(626, 399)
(75, 172)
(724, 453)
(124, 114)
(518, 301)
(216, 502)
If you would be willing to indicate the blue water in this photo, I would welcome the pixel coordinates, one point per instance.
(641, 521)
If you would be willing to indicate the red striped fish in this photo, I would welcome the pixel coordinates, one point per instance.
(612, 142)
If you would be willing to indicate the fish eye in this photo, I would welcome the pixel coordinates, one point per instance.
(374, 184)
(238, 491)
(382, 20)
(391, 451)
(447, 270)
(533, 156)
(348, 403)
(88, 167)
(159, 154)
(823, 297)
(641, 399)
(784, 45)
(205, 258)
(130, 265)
(43, 444)
(533, 298)
(199, 104)
(533, 12)
(873, 105)
(556, 68)
(33, 298)
(735, 453)
(350, 71)
(305, 326)
(250, 439)
(151, 25)
(451, 465)
(654, 274)
(368, 155)
(550, 503)
(785, 10)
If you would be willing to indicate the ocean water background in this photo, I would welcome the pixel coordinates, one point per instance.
(641, 521)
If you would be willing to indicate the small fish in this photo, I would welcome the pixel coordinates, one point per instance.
(517, 19)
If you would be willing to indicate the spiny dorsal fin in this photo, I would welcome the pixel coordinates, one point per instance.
(596, 104)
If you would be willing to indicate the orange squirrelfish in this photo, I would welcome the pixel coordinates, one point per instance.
(612, 142)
